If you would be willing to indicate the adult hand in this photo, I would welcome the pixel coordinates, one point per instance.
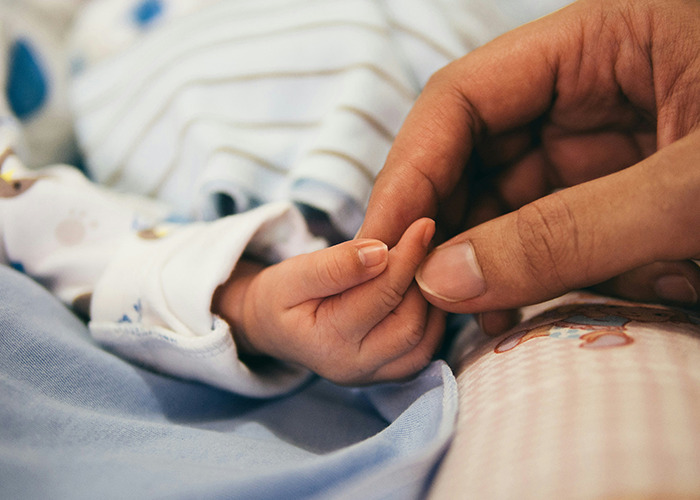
(583, 128)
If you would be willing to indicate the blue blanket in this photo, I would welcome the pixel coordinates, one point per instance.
(78, 422)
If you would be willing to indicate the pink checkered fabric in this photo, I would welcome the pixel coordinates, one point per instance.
(602, 402)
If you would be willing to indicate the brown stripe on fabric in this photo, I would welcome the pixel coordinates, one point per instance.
(425, 39)
(361, 167)
(156, 69)
(167, 171)
(372, 121)
(258, 160)
(184, 31)
(116, 177)
(379, 72)
(468, 39)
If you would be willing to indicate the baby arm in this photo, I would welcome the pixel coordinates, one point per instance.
(351, 313)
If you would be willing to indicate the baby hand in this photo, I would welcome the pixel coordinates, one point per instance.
(351, 313)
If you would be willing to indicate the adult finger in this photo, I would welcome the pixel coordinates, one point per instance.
(675, 283)
(574, 238)
(500, 86)
(672, 283)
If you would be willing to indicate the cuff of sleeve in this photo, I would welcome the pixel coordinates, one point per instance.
(152, 304)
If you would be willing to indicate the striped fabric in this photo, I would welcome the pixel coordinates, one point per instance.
(252, 101)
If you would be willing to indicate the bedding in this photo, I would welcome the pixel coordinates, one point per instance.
(589, 398)
(79, 422)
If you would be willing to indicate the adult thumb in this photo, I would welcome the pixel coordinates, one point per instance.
(574, 238)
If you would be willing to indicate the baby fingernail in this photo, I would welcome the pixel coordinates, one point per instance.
(452, 273)
(676, 288)
(373, 254)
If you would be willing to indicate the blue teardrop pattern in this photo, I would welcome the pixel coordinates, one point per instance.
(147, 11)
(27, 84)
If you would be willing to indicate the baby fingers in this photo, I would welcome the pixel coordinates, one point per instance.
(330, 271)
(405, 341)
(399, 346)
(417, 358)
(353, 313)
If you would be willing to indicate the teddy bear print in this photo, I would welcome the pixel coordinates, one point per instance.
(596, 326)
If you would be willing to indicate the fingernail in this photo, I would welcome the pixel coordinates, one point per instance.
(373, 254)
(452, 273)
(676, 288)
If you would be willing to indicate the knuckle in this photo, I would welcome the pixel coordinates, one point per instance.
(548, 238)
(330, 273)
(413, 334)
(390, 296)
(336, 330)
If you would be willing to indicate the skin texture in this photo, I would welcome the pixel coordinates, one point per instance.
(352, 313)
(562, 155)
